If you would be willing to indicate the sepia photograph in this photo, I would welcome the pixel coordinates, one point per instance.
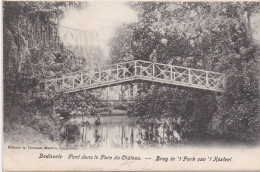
(88, 76)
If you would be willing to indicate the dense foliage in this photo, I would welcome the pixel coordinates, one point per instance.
(33, 51)
(212, 36)
(203, 35)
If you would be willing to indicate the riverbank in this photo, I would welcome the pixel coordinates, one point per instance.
(105, 119)
(29, 127)
(23, 135)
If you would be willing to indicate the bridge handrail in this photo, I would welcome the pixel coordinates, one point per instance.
(133, 61)
(188, 68)
(90, 69)
(144, 70)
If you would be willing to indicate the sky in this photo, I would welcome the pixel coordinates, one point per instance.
(99, 21)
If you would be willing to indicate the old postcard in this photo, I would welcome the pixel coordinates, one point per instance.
(131, 86)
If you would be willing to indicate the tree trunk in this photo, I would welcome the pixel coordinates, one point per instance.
(248, 24)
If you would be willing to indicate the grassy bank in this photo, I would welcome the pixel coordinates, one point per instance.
(30, 126)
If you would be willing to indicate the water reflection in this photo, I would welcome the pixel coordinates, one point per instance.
(119, 132)
(119, 136)
(114, 131)
(71, 133)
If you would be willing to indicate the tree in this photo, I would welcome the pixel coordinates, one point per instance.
(33, 51)
(211, 36)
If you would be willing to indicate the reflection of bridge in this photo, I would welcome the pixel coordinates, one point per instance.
(136, 70)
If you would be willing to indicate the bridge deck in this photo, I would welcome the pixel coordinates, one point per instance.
(136, 70)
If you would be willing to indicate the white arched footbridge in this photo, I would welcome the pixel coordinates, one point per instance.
(136, 70)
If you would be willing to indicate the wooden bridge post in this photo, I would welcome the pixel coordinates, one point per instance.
(107, 75)
(174, 77)
(117, 72)
(190, 79)
(135, 68)
(124, 69)
(207, 78)
(153, 69)
(171, 73)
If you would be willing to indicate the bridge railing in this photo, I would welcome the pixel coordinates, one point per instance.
(138, 69)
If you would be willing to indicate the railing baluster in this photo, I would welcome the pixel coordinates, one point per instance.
(190, 79)
(153, 69)
(135, 68)
(124, 70)
(171, 73)
(207, 78)
(107, 72)
(117, 76)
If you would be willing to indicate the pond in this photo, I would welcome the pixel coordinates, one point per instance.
(119, 131)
